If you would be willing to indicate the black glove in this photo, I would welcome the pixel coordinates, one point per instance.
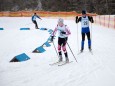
(63, 32)
(76, 19)
(92, 19)
(52, 37)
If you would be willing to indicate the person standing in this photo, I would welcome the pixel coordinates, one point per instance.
(85, 30)
(63, 32)
(34, 20)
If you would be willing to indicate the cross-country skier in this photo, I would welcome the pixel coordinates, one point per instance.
(34, 20)
(85, 28)
(63, 32)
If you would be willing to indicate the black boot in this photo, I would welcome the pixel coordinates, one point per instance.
(66, 57)
(60, 57)
(36, 27)
(81, 50)
(90, 48)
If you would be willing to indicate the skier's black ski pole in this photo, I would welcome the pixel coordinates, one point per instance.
(72, 52)
(77, 38)
(55, 49)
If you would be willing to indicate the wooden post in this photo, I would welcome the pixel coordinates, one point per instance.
(104, 20)
(109, 21)
(114, 22)
(99, 19)
(95, 19)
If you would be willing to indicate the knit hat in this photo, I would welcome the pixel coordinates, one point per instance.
(83, 12)
(60, 20)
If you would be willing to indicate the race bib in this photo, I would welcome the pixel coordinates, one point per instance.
(84, 22)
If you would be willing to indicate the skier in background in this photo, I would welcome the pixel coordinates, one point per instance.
(34, 20)
(63, 32)
(85, 28)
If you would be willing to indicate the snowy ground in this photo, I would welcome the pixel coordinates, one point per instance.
(91, 70)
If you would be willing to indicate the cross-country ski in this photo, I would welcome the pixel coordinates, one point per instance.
(64, 63)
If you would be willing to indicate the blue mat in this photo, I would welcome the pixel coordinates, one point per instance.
(43, 28)
(49, 39)
(47, 44)
(50, 31)
(20, 58)
(24, 28)
(1, 28)
(39, 50)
